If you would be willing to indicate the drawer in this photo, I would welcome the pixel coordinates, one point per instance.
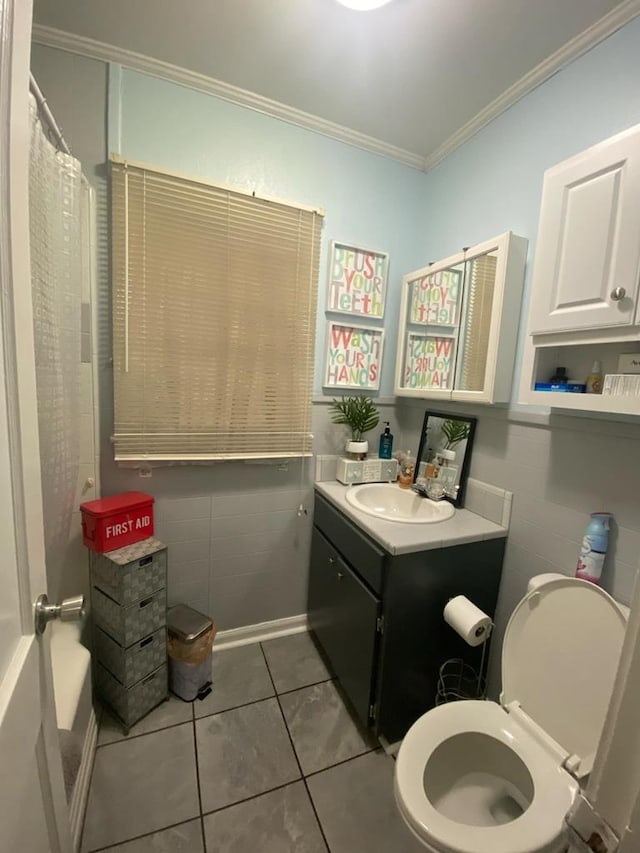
(132, 703)
(365, 557)
(127, 625)
(131, 573)
(132, 664)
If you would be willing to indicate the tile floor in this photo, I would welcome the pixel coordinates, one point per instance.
(270, 762)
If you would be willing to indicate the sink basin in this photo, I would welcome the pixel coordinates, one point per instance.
(390, 502)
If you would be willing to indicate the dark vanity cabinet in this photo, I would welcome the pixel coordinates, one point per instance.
(378, 617)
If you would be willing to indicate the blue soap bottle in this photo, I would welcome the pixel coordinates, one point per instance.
(386, 443)
(594, 547)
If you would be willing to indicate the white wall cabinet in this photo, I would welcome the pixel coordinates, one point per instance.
(585, 285)
(586, 268)
(459, 323)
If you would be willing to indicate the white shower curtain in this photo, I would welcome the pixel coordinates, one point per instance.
(54, 208)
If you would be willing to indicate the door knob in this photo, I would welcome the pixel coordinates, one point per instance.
(618, 293)
(68, 610)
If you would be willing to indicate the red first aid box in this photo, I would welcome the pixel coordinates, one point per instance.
(114, 522)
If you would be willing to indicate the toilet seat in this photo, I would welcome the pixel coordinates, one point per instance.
(538, 828)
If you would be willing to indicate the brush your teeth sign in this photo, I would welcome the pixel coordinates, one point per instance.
(354, 357)
(357, 280)
(435, 298)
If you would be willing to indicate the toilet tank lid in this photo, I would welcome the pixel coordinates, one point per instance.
(559, 659)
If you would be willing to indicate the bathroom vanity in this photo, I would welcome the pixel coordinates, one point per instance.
(377, 590)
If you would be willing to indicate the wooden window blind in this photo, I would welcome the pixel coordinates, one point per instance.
(214, 306)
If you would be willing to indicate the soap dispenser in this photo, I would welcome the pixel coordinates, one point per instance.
(386, 443)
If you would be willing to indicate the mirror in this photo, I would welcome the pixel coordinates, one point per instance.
(431, 310)
(444, 456)
(475, 322)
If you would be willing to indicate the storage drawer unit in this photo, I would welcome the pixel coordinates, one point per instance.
(132, 664)
(129, 612)
(132, 703)
(130, 573)
(129, 624)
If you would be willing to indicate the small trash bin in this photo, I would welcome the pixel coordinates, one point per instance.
(190, 638)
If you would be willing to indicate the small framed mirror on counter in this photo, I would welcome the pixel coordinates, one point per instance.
(444, 456)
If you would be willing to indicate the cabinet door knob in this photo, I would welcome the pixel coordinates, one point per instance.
(340, 576)
(332, 561)
(618, 293)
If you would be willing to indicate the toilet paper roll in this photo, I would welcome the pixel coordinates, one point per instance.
(467, 620)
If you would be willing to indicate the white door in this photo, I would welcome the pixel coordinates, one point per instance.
(33, 813)
(585, 274)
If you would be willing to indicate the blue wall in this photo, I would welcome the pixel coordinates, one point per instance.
(369, 200)
(493, 183)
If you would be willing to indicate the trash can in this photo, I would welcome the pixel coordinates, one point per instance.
(190, 638)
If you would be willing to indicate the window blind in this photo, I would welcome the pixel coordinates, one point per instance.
(214, 306)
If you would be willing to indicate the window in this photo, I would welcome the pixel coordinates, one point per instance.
(214, 308)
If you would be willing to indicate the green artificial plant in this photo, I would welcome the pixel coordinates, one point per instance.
(455, 432)
(358, 413)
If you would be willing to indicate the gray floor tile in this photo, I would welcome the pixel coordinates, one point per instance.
(242, 753)
(357, 810)
(321, 728)
(294, 662)
(240, 675)
(185, 838)
(281, 821)
(169, 713)
(141, 785)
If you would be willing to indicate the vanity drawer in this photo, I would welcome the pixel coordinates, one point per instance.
(357, 549)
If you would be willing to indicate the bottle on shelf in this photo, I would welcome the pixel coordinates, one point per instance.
(594, 379)
(559, 377)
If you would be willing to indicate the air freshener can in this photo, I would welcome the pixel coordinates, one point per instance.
(594, 547)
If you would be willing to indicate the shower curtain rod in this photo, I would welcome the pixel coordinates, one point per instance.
(45, 112)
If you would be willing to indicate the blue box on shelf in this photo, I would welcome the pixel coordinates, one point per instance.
(566, 387)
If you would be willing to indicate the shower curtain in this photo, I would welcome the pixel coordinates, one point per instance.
(56, 270)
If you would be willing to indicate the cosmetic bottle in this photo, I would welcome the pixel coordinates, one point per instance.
(594, 379)
(386, 443)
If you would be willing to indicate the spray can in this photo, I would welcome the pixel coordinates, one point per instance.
(594, 547)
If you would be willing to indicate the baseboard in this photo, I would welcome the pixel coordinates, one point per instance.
(80, 794)
(262, 631)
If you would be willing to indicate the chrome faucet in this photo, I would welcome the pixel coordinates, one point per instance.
(434, 490)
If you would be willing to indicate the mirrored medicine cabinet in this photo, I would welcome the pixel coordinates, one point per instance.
(459, 324)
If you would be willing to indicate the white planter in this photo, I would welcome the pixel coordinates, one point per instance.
(358, 448)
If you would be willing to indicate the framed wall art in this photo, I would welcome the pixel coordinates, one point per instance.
(353, 357)
(357, 281)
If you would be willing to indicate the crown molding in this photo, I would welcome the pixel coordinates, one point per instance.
(573, 49)
(72, 43)
(606, 26)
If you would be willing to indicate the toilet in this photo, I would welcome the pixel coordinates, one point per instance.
(482, 777)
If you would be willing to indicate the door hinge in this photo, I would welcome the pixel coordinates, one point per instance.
(588, 830)
(372, 711)
(380, 624)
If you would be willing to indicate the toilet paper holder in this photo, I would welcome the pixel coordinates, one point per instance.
(458, 680)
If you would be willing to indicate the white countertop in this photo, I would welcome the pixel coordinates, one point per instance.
(398, 538)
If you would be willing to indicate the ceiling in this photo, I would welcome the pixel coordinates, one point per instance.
(416, 75)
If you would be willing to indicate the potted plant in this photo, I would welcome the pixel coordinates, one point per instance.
(360, 415)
